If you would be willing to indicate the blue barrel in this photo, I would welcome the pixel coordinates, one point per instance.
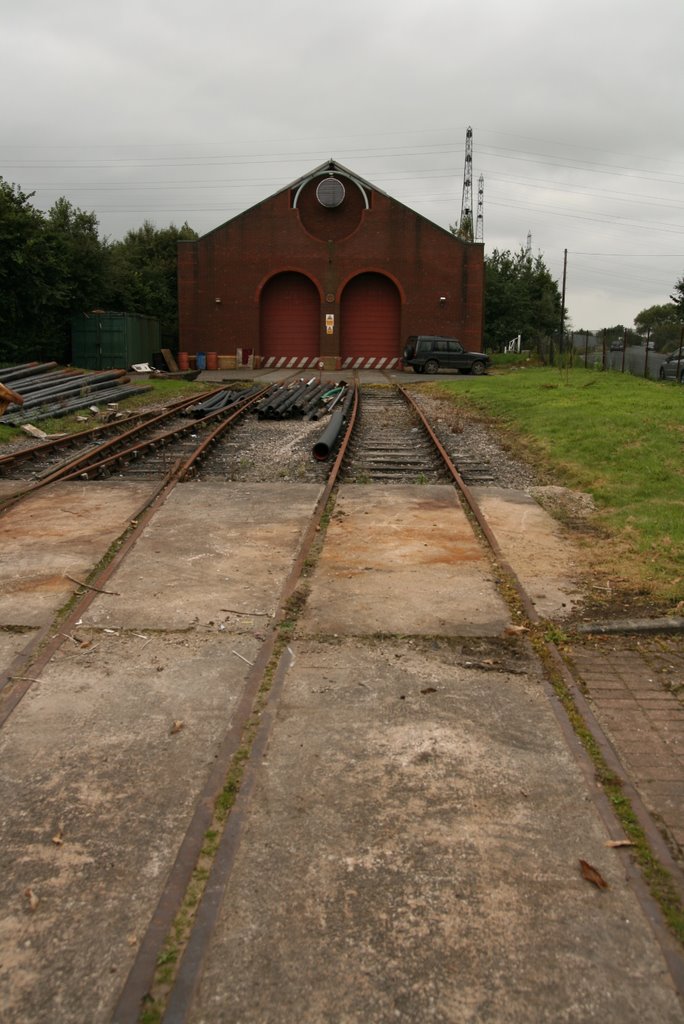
(201, 361)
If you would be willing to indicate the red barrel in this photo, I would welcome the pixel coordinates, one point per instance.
(183, 361)
(212, 360)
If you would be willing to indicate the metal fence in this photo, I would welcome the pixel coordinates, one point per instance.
(640, 359)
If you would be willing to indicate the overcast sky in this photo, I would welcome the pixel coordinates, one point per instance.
(170, 111)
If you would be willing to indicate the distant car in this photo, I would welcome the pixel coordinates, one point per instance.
(428, 353)
(670, 370)
(616, 346)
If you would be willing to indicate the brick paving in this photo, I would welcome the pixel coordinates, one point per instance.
(636, 688)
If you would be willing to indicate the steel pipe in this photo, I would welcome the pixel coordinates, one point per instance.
(326, 442)
(80, 386)
(25, 370)
(55, 410)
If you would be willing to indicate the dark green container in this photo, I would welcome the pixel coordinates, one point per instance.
(112, 341)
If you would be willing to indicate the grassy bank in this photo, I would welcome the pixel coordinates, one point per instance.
(618, 437)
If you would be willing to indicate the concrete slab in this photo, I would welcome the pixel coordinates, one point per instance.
(12, 641)
(211, 550)
(90, 755)
(419, 568)
(11, 487)
(411, 853)
(544, 559)
(65, 529)
(89, 758)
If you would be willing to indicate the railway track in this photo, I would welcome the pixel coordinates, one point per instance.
(148, 448)
(34, 462)
(389, 444)
(386, 440)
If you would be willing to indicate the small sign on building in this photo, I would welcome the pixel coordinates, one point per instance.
(329, 323)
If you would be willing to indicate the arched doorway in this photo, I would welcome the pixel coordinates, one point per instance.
(290, 317)
(370, 318)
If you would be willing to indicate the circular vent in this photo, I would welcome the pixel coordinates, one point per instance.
(330, 193)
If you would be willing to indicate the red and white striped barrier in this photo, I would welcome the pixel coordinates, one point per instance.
(348, 363)
(290, 362)
(370, 363)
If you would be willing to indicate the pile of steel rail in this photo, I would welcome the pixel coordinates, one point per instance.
(51, 391)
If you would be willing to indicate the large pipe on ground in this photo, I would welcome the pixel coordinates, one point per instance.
(277, 406)
(25, 370)
(66, 406)
(276, 391)
(47, 381)
(81, 385)
(328, 439)
(311, 400)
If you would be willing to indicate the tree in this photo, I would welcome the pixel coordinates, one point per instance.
(51, 266)
(464, 229)
(28, 275)
(662, 325)
(81, 253)
(521, 297)
(54, 265)
(143, 273)
(678, 298)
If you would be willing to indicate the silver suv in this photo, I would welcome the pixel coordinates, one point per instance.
(428, 353)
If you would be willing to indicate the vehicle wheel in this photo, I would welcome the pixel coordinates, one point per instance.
(432, 366)
(478, 368)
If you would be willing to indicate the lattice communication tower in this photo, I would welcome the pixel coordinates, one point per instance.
(465, 230)
(479, 223)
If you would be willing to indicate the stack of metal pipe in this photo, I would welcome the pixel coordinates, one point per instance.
(49, 391)
(299, 399)
(221, 400)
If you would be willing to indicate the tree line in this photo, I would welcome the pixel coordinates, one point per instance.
(55, 264)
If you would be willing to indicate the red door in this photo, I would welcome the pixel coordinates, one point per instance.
(370, 319)
(290, 315)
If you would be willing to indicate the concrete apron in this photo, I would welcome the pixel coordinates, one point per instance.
(533, 544)
(60, 531)
(411, 849)
(104, 758)
(413, 843)
(402, 560)
(411, 852)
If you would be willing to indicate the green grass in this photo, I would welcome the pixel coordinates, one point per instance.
(508, 359)
(618, 437)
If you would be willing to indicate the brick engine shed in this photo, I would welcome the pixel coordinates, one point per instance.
(329, 267)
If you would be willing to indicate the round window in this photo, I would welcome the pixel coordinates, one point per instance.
(330, 193)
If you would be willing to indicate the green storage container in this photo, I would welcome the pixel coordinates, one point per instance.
(111, 341)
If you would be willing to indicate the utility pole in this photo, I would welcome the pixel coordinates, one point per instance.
(562, 316)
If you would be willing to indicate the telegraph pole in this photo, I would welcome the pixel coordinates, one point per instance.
(562, 316)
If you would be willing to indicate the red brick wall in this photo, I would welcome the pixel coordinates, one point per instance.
(233, 262)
